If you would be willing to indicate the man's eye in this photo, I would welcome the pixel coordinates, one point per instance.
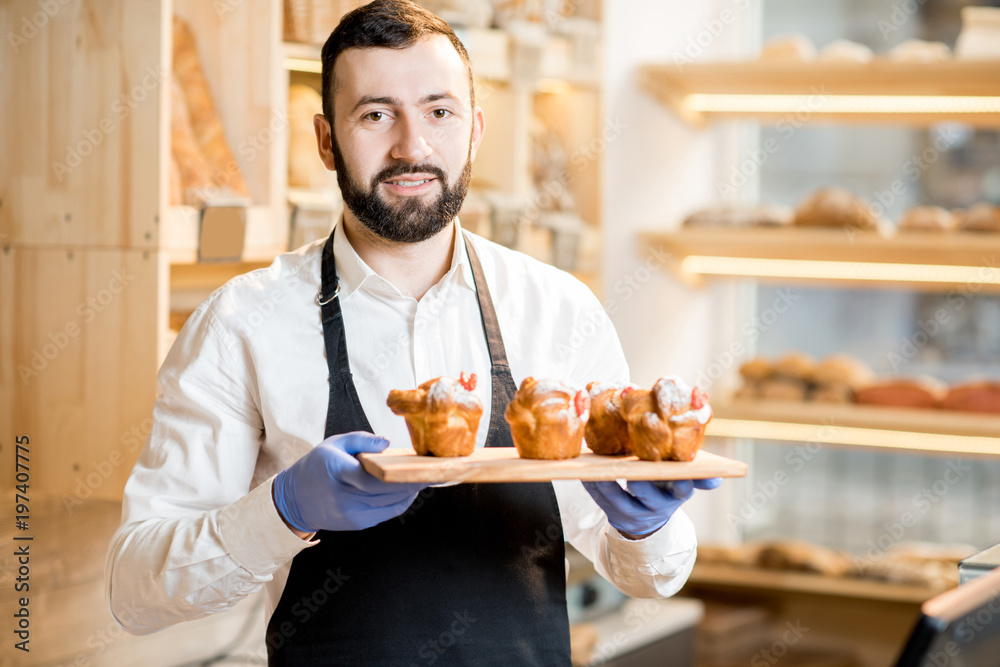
(441, 113)
(375, 115)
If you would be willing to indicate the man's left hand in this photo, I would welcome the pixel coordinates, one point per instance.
(642, 508)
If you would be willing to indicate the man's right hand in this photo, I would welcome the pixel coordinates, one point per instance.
(327, 489)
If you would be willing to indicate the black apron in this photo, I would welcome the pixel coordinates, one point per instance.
(471, 574)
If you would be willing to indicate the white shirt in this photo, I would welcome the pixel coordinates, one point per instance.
(243, 394)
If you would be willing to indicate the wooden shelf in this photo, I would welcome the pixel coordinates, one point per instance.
(929, 261)
(817, 91)
(492, 54)
(263, 238)
(800, 582)
(918, 430)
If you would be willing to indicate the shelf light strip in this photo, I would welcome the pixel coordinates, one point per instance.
(986, 274)
(851, 435)
(813, 104)
(304, 65)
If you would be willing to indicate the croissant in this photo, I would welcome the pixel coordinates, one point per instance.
(606, 431)
(442, 415)
(667, 422)
(547, 419)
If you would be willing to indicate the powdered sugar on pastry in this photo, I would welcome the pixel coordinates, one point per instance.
(701, 415)
(672, 395)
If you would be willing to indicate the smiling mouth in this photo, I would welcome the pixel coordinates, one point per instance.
(405, 183)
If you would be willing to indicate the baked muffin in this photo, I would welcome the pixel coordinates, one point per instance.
(442, 415)
(606, 431)
(547, 419)
(667, 422)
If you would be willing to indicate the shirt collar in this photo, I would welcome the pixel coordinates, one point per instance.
(353, 273)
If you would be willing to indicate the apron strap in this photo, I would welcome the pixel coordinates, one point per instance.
(504, 388)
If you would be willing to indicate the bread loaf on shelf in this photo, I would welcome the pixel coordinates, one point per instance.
(927, 219)
(836, 207)
(973, 396)
(205, 123)
(916, 392)
(982, 217)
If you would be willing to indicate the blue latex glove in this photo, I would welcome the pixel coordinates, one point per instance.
(327, 489)
(644, 507)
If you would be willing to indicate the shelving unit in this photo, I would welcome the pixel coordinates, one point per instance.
(881, 91)
(801, 582)
(927, 261)
(913, 430)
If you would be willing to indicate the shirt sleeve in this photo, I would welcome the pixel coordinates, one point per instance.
(657, 565)
(195, 538)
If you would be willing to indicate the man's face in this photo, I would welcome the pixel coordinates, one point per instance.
(405, 137)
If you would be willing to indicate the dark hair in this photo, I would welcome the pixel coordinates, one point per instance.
(391, 24)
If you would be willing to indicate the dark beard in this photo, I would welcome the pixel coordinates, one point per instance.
(411, 221)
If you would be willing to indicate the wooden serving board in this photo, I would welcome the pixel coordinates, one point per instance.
(502, 464)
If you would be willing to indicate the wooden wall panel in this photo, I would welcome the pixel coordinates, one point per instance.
(83, 103)
(83, 364)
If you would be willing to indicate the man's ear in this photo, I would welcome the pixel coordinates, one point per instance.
(478, 129)
(324, 141)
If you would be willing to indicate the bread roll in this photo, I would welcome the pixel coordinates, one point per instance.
(842, 369)
(740, 216)
(982, 217)
(796, 365)
(667, 422)
(208, 130)
(845, 51)
(756, 369)
(835, 207)
(801, 556)
(920, 51)
(921, 392)
(606, 431)
(442, 415)
(547, 419)
(975, 396)
(790, 48)
(927, 219)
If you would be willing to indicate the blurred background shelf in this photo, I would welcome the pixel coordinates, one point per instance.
(796, 582)
(928, 261)
(881, 91)
(916, 430)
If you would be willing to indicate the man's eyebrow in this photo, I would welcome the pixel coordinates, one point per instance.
(371, 99)
(394, 102)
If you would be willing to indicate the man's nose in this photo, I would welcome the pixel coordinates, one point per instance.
(411, 143)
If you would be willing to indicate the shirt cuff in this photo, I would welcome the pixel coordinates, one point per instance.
(663, 559)
(255, 535)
